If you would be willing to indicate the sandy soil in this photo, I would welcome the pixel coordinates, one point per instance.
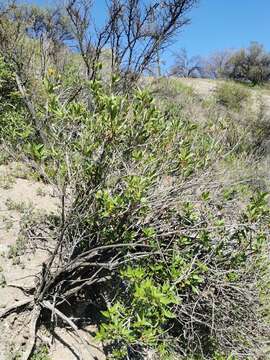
(16, 196)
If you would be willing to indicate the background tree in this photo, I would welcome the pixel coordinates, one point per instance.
(250, 65)
(185, 66)
(32, 40)
(216, 65)
(29, 34)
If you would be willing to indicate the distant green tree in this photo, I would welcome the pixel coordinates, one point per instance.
(250, 65)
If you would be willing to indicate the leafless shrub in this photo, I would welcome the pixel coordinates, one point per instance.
(135, 32)
(187, 67)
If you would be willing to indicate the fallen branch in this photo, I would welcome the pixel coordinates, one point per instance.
(49, 306)
(15, 307)
(33, 330)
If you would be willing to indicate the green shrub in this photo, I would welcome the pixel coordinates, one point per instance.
(41, 353)
(197, 255)
(7, 83)
(231, 95)
(175, 254)
(153, 311)
(15, 125)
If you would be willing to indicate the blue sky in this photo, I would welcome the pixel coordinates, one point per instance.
(219, 24)
(216, 25)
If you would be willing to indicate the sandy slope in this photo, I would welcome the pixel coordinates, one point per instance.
(16, 196)
(206, 87)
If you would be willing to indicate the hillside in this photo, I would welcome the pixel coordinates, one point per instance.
(206, 87)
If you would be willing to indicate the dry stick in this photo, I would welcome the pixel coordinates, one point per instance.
(33, 329)
(87, 255)
(42, 287)
(46, 304)
(75, 290)
(22, 288)
(15, 307)
(49, 306)
(84, 256)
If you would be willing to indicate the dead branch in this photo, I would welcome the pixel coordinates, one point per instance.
(33, 330)
(27, 303)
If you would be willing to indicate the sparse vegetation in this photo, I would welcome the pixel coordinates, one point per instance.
(41, 192)
(6, 181)
(41, 353)
(16, 250)
(8, 222)
(19, 206)
(231, 95)
(3, 281)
